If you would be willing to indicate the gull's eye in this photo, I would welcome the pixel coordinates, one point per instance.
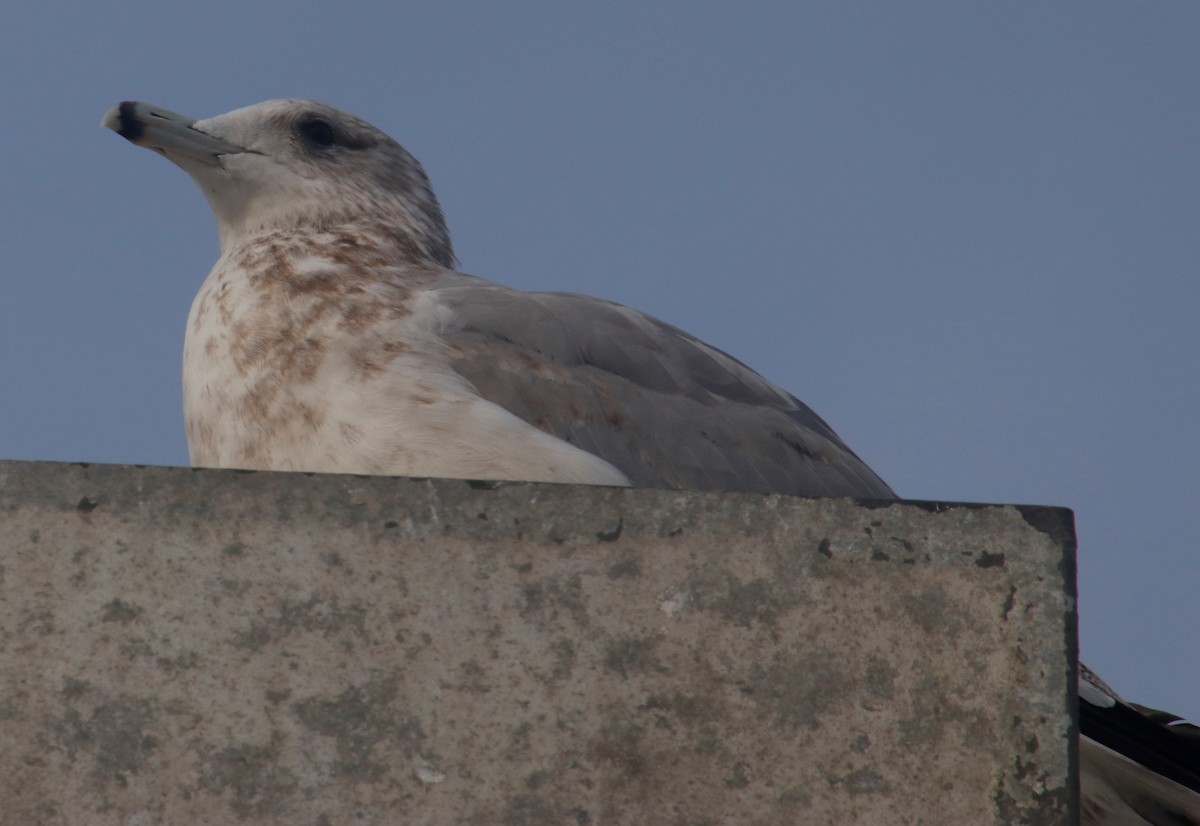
(316, 131)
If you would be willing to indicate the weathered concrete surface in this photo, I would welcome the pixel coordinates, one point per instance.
(182, 646)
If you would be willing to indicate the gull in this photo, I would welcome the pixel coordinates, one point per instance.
(334, 334)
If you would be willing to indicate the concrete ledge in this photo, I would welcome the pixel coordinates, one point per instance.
(196, 646)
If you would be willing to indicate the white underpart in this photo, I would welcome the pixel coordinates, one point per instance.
(417, 418)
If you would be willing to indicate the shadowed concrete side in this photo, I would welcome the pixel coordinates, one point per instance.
(225, 647)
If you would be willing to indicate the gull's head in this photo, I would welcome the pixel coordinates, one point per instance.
(293, 165)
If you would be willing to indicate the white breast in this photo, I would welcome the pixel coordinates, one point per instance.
(294, 361)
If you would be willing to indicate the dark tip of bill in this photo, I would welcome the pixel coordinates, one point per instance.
(131, 128)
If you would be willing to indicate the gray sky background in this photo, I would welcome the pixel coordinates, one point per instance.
(964, 232)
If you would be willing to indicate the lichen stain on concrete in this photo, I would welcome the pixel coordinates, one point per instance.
(473, 680)
(544, 601)
(739, 776)
(252, 777)
(314, 614)
(361, 720)
(121, 734)
(1043, 808)
(684, 710)
(795, 798)
(118, 610)
(799, 692)
(529, 810)
(519, 744)
(619, 744)
(881, 678)
(936, 717)
(933, 611)
(631, 655)
(180, 662)
(862, 781)
(562, 652)
(628, 567)
(744, 603)
(39, 622)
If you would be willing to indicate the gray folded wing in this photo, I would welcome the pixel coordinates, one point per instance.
(662, 406)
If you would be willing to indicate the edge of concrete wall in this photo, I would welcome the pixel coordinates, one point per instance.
(183, 645)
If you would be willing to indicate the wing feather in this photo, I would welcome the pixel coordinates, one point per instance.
(665, 408)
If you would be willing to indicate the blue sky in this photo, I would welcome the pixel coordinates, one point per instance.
(964, 232)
